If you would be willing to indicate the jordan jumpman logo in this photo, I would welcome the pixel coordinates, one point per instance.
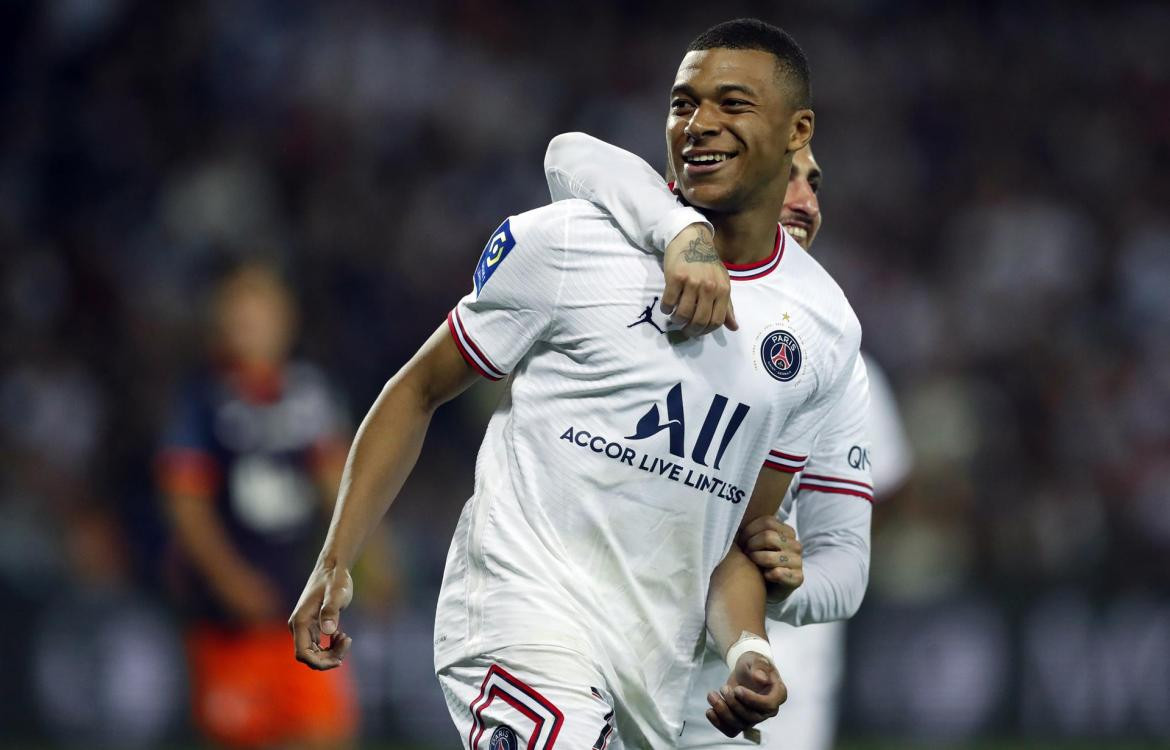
(647, 316)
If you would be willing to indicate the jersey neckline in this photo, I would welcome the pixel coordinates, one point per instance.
(748, 271)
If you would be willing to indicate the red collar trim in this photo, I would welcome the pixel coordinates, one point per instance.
(748, 271)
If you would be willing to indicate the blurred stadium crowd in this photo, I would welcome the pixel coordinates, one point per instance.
(997, 178)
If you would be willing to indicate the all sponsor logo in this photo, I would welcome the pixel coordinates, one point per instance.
(719, 426)
(652, 423)
(780, 355)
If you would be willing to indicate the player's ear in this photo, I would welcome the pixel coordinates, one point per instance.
(800, 130)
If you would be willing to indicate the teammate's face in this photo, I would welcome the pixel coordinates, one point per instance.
(731, 129)
(801, 214)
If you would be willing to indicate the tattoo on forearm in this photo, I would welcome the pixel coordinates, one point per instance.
(700, 250)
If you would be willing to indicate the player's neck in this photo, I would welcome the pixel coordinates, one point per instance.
(746, 236)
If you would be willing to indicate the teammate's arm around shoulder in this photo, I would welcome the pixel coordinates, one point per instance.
(697, 293)
(735, 619)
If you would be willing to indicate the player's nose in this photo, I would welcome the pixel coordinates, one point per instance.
(801, 199)
(703, 123)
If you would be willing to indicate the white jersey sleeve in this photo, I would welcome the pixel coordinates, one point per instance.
(892, 457)
(790, 452)
(516, 285)
(577, 165)
(834, 496)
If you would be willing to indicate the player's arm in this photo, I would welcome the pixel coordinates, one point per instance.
(735, 619)
(516, 288)
(383, 453)
(697, 289)
(822, 577)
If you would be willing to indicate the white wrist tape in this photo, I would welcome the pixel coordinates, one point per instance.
(748, 642)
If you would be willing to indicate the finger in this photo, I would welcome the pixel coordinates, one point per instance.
(785, 576)
(718, 724)
(308, 650)
(685, 310)
(770, 541)
(764, 690)
(340, 646)
(763, 523)
(752, 707)
(731, 323)
(336, 599)
(746, 715)
(726, 721)
(718, 313)
(672, 294)
(776, 559)
(702, 315)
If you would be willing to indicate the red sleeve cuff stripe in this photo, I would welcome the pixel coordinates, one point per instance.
(782, 467)
(787, 456)
(469, 350)
(817, 477)
(812, 487)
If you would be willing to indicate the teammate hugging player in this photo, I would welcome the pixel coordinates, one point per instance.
(580, 577)
(834, 490)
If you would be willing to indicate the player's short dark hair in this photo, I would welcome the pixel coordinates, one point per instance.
(752, 33)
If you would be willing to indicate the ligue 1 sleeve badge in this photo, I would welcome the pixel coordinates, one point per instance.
(780, 354)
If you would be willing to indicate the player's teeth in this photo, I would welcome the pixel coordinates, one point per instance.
(798, 232)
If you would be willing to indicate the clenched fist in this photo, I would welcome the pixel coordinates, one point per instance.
(753, 692)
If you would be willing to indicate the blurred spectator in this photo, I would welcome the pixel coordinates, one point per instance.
(255, 444)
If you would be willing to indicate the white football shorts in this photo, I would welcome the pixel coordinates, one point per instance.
(530, 698)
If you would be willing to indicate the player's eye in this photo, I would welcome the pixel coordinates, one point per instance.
(815, 186)
(680, 105)
(736, 103)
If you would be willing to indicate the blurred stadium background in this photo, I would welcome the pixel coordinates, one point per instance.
(997, 179)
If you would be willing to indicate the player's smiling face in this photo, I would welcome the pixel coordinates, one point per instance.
(801, 214)
(730, 129)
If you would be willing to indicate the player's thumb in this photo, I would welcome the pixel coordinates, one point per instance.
(331, 610)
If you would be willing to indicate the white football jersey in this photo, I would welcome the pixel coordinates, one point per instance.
(614, 474)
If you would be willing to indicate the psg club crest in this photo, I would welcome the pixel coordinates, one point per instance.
(780, 354)
(503, 739)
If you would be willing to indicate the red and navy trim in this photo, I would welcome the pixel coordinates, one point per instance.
(836, 486)
(606, 734)
(472, 353)
(546, 718)
(749, 271)
(785, 462)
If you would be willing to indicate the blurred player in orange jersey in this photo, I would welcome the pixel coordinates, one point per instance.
(251, 459)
